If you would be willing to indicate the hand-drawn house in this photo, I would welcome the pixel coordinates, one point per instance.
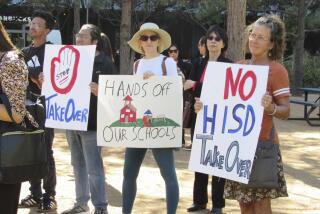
(147, 118)
(128, 112)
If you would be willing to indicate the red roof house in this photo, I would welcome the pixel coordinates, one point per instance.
(128, 112)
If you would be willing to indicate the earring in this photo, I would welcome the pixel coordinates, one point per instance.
(269, 53)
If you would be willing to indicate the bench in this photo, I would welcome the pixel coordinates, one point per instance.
(312, 106)
(305, 103)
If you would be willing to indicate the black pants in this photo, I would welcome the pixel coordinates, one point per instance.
(200, 193)
(200, 186)
(9, 198)
(50, 181)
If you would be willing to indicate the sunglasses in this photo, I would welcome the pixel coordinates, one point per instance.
(173, 51)
(152, 38)
(214, 38)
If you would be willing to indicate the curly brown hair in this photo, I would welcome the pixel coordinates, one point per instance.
(278, 34)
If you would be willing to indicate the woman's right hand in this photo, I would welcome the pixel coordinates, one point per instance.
(197, 105)
(147, 75)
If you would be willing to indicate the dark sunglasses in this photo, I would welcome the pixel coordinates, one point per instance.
(152, 38)
(214, 38)
(173, 51)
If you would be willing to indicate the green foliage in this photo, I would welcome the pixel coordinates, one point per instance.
(98, 4)
(210, 12)
(313, 20)
(311, 77)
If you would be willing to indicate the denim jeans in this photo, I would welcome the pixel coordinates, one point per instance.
(88, 168)
(50, 180)
(165, 160)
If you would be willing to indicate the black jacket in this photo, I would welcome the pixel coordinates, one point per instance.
(185, 67)
(199, 69)
(196, 76)
(102, 65)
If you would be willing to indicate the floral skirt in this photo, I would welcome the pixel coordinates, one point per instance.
(236, 191)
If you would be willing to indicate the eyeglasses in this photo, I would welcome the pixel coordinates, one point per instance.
(217, 38)
(82, 36)
(35, 25)
(152, 38)
(259, 38)
(173, 51)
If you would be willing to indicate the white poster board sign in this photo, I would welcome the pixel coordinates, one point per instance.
(138, 113)
(228, 126)
(67, 74)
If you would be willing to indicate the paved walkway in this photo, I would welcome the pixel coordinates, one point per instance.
(300, 146)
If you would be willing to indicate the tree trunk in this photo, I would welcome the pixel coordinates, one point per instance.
(298, 67)
(125, 30)
(236, 22)
(76, 18)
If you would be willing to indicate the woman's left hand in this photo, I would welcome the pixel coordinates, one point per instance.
(267, 103)
(94, 88)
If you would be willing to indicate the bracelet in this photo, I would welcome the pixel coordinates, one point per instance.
(274, 110)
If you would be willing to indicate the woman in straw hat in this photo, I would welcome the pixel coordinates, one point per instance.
(150, 41)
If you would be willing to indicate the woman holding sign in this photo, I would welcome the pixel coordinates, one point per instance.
(150, 41)
(266, 42)
(216, 46)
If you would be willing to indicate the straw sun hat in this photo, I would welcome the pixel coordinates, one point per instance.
(164, 41)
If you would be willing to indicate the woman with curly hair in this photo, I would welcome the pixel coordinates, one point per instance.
(266, 43)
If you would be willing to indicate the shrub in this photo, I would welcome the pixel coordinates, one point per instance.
(311, 77)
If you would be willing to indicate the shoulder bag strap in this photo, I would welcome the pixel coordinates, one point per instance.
(136, 66)
(163, 66)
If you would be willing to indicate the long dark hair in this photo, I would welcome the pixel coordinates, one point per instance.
(5, 41)
(220, 33)
(104, 45)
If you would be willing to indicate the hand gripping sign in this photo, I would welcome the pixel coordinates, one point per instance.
(67, 72)
(228, 126)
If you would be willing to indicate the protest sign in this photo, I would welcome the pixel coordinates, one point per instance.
(228, 126)
(67, 74)
(133, 112)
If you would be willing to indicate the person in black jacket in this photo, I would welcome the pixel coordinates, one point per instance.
(184, 68)
(195, 65)
(202, 53)
(86, 157)
(42, 23)
(216, 45)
